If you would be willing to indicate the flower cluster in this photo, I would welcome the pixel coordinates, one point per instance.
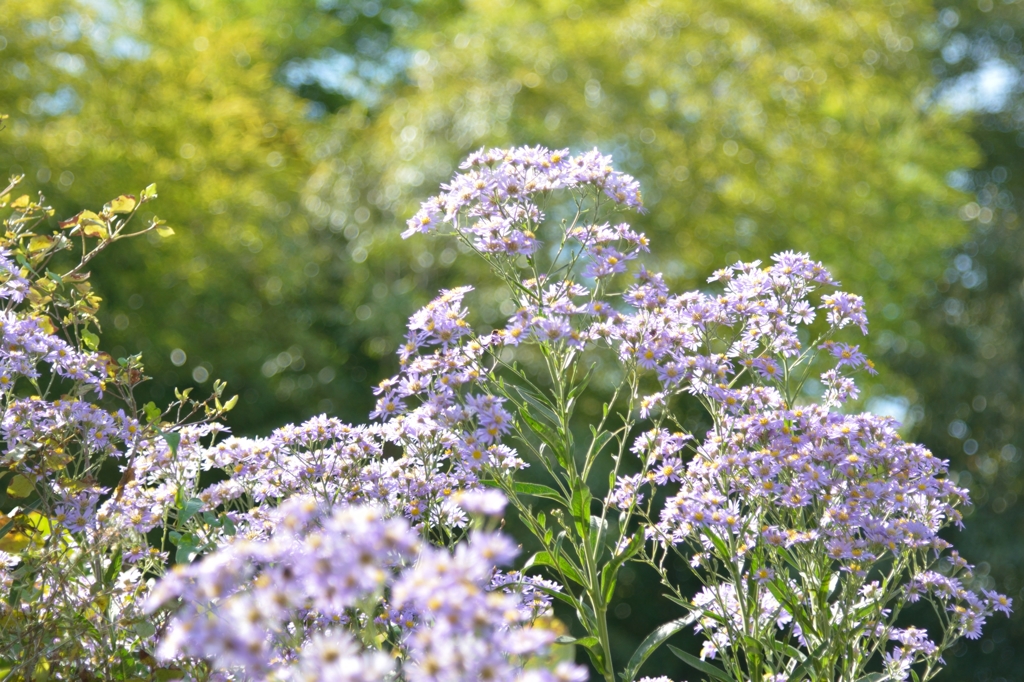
(497, 194)
(296, 604)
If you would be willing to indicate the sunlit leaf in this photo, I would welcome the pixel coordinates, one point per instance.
(123, 204)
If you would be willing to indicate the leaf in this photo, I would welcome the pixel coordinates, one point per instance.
(40, 243)
(555, 594)
(153, 412)
(189, 509)
(580, 507)
(700, 665)
(91, 341)
(807, 664)
(114, 569)
(20, 202)
(45, 324)
(149, 193)
(95, 229)
(123, 204)
(608, 573)
(539, 490)
(546, 434)
(186, 549)
(20, 487)
(873, 677)
(588, 642)
(164, 231)
(144, 628)
(652, 642)
(562, 564)
(173, 438)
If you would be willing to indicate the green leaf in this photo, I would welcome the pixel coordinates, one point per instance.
(588, 642)
(114, 569)
(652, 642)
(561, 564)
(173, 439)
(149, 193)
(186, 549)
(807, 665)
(559, 595)
(873, 677)
(153, 412)
(610, 571)
(700, 665)
(189, 509)
(91, 341)
(548, 435)
(144, 628)
(539, 490)
(579, 505)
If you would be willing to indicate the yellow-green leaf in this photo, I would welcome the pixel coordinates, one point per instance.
(149, 192)
(164, 231)
(20, 487)
(14, 542)
(46, 324)
(123, 204)
(40, 243)
(91, 341)
(20, 202)
(94, 229)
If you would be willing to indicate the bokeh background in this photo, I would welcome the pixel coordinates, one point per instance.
(291, 139)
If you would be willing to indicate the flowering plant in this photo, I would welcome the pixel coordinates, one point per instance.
(329, 551)
(810, 529)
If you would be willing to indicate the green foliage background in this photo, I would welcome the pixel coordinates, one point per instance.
(290, 140)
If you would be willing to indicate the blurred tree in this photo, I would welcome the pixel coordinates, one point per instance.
(107, 98)
(968, 374)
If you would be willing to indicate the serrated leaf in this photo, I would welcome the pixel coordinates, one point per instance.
(123, 204)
